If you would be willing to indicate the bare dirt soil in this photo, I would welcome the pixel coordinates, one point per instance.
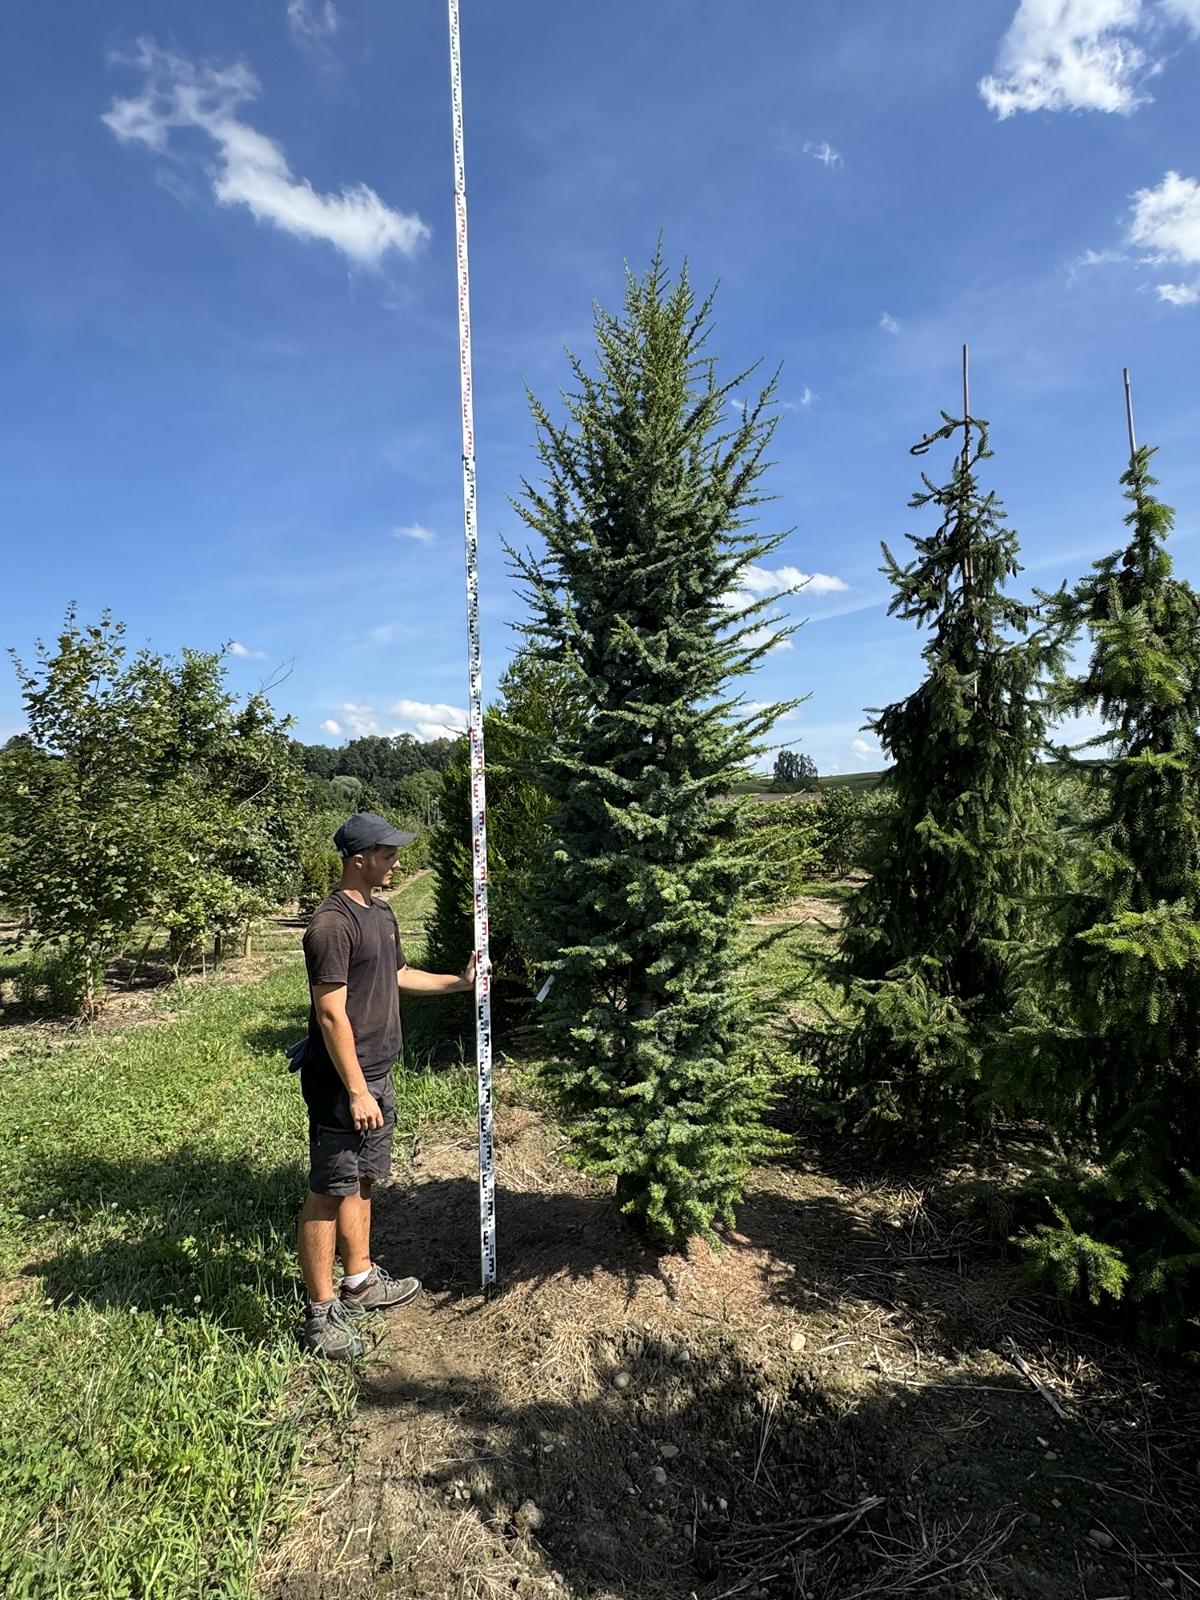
(853, 1397)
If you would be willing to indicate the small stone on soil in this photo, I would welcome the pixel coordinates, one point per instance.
(621, 1380)
(798, 1341)
(668, 1451)
(529, 1516)
(1102, 1540)
(659, 1475)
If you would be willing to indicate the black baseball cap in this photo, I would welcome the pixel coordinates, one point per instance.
(365, 831)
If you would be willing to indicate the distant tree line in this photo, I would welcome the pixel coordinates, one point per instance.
(379, 762)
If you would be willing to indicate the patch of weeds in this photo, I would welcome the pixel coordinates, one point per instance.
(154, 1396)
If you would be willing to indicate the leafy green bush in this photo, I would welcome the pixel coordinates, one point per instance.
(143, 790)
(47, 981)
(783, 841)
(839, 831)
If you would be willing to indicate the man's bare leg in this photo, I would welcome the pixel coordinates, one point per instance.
(354, 1230)
(316, 1236)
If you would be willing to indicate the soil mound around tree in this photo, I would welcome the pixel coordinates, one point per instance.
(851, 1397)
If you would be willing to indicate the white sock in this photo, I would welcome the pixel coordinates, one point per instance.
(355, 1280)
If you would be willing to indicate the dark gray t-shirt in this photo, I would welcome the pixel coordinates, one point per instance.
(360, 947)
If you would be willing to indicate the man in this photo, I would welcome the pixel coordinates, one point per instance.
(356, 974)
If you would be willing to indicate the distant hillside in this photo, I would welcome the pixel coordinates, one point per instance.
(850, 780)
(762, 783)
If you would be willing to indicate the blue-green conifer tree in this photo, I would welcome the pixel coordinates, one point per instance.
(654, 1045)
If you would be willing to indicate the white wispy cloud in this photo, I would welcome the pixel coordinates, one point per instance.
(312, 21)
(821, 150)
(1163, 230)
(244, 653)
(866, 750)
(807, 398)
(251, 168)
(330, 726)
(1068, 55)
(362, 720)
(1166, 220)
(429, 721)
(1186, 12)
(888, 323)
(1166, 224)
(1083, 55)
(1093, 258)
(417, 531)
(759, 581)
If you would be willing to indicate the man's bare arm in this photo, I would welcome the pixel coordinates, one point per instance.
(411, 980)
(329, 1002)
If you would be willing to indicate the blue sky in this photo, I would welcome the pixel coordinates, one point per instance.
(228, 366)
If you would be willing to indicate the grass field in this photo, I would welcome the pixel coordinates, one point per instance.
(155, 1404)
(763, 783)
(156, 1407)
(163, 1439)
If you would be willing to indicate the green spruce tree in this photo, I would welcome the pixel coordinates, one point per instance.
(643, 511)
(1120, 1073)
(536, 706)
(927, 955)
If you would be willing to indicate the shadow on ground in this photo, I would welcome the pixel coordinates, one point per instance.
(708, 1478)
(825, 1407)
(155, 1234)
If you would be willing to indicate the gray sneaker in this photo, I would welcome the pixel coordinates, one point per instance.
(327, 1332)
(379, 1292)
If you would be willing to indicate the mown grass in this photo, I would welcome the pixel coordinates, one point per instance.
(787, 966)
(412, 905)
(155, 1404)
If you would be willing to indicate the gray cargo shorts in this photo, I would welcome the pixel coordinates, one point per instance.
(338, 1156)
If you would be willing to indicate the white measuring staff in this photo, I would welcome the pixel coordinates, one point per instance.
(483, 977)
